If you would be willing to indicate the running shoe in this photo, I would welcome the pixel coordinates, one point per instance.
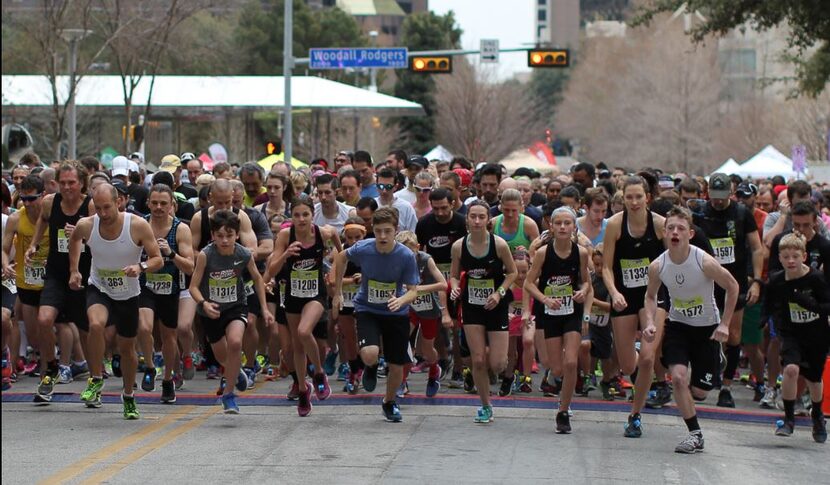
(803, 405)
(148, 382)
(330, 362)
(433, 382)
(351, 383)
(768, 401)
(469, 382)
(304, 403)
(418, 367)
(130, 409)
(116, 365)
(547, 389)
(321, 387)
(229, 403)
(45, 389)
(370, 378)
(403, 390)
(7, 373)
(343, 371)
(784, 427)
(64, 374)
(212, 372)
(484, 415)
(693, 443)
(506, 387)
(587, 385)
(634, 426)
(19, 363)
(250, 376)
(107, 368)
(725, 398)
(563, 422)
(92, 394)
(271, 373)
(222, 384)
(392, 412)
(79, 371)
(158, 363)
(526, 385)
(661, 397)
(188, 369)
(605, 387)
(758, 390)
(241, 381)
(456, 380)
(178, 380)
(168, 392)
(261, 362)
(819, 429)
(294, 392)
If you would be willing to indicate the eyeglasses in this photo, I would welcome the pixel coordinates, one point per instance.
(424, 190)
(30, 198)
(385, 186)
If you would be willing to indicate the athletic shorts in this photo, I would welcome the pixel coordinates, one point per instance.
(634, 297)
(555, 327)
(9, 299)
(29, 297)
(601, 341)
(752, 333)
(429, 326)
(808, 351)
(693, 346)
(295, 305)
(495, 320)
(392, 330)
(215, 328)
(122, 313)
(254, 308)
(71, 304)
(164, 307)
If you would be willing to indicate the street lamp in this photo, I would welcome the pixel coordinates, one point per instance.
(373, 73)
(73, 37)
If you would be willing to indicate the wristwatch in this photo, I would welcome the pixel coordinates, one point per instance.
(586, 318)
(172, 255)
(502, 291)
(143, 266)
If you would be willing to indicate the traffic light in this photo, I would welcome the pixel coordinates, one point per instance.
(431, 65)
(272, 147)
(548, 58)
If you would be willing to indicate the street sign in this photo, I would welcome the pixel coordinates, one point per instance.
(351, 57)
(489, 50)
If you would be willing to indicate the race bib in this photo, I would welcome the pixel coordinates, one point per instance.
(182, 280)
(444, 268)
(634, 272)
(515, 309)
(305, 284)
(479, 290)
(380, 293)
(63, 241)
(10, 285)
(349, 292)
(223, 291)
(598, 317)
(565, 294)
(160, 283)
(724, 249)
(249, 288)
(33, 275)
(799, 314)
(114, 279)
(424, 302)
(691, 308)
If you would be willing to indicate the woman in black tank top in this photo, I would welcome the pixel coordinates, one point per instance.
(560, 284)
(299, 252)
(633, 239)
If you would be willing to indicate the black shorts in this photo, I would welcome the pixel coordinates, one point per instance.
(663, 298)
(807, 351)
(495, 320)
(295, 305)
(743, 288)
(693, 346)
(321, 329)
(555, 327)
(69, 303)
(8, 299)
(215, 329)
(122, 313)
(601, 341)
(393, 329)
(29, 297)
(254, 308)
(164, 307)
(634, 297)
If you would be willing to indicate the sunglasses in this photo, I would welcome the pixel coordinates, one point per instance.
(424, 190)
(29, 198)
(385, 186)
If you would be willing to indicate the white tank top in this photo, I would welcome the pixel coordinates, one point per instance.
(690, 291)
(109, 259)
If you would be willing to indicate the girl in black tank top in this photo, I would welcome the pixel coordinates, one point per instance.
(632, 255)
(484, 276)
(304, 274)
(560, 278)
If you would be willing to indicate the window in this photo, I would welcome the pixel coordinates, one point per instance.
(738, 62)
(543, 3)
(543, 15)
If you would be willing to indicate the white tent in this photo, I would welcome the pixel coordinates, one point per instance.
(729, 167)
(768, 163)
(439, 153)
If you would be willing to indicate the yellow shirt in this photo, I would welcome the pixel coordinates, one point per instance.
(249, 201)
(29, 277)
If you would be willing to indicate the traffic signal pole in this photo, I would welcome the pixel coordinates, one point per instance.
(287, 65)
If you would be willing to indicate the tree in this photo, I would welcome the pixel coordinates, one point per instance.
(481, 118)
(423, 31)
(546, 88)
(808, 20)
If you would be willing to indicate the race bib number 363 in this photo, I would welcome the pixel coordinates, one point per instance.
(380, 293)
(634, 272)
(480, 290)
(115, 280)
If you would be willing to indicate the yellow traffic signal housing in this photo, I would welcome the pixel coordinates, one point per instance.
(548, 58)
(431, 65)
(270, 148)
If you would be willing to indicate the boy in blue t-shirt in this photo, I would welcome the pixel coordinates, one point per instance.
(388, 284)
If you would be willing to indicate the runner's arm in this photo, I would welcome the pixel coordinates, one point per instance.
(455, 265)
(723, 278)
(586, 281)
(247, 237)
(196, 281)
(654, 283)
(609, 244)
(259, 284)
(278, 257)
(76, 242)
(147, 240)
(511, 273)
(41, 224)
(8, 239)
(196, 231)
(440, 284)
(184, 256)
(531, 288)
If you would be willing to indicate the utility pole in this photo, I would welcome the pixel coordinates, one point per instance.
(73, 37)
(287, 66)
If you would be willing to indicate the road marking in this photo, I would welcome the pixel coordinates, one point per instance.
(109, 450)
(153, 445)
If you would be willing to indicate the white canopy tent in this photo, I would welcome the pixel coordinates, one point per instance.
(729, 167)
(439, 153)
(768, 163)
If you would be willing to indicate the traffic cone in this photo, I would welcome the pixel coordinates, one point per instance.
(825, 406)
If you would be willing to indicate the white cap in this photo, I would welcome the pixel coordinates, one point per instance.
(120, 166)
(134, 167)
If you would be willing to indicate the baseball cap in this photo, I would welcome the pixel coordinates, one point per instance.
(417, 160)
(170, 163)
(120, 186)
(720, 186)
(120, 166)
(186, 157)
(137, 156)
(666, 182)
(525, 172)
(465, 175)
(746, 189)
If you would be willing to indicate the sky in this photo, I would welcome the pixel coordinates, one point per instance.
(509, 21)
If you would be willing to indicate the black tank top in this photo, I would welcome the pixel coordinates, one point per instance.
(302, 283)
(204, 228)
(57, 263)
(633, 255)
(560, 278)
(484, 274)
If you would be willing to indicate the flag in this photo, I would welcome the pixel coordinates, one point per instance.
(799, 157)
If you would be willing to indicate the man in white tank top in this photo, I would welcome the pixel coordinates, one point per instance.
(115, 240)
(694, 330)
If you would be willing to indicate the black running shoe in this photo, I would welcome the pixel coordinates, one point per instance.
(116, 365)
(506, 385)
(563, 423)
(819, 429)
(725, 398)
(370, 378)
(168, 392)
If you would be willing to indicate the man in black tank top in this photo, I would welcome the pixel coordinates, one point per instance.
(60, 213)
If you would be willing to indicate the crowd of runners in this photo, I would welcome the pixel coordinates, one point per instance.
(627, 284)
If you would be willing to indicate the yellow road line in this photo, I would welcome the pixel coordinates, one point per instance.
(155, 444)
(109, 450)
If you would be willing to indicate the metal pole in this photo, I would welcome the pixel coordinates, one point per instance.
(73, 60)
(287, 65)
